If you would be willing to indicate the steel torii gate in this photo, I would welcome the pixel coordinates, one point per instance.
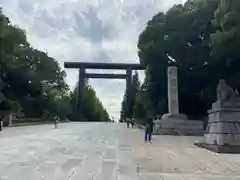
(82, 66)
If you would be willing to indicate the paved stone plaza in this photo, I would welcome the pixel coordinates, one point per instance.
(98, 151)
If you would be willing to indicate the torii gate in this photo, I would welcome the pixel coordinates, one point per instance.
(82, 66)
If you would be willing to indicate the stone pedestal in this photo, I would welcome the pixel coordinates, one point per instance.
(7, 118)
(178, 125)
(223, 130)
(175, 123)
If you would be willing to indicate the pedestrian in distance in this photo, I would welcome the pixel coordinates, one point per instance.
(148, 130)
(132, 122)
(128, 122)
(1, 122)
(55, 119)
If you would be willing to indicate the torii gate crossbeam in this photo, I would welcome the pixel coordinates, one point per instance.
(82, 66)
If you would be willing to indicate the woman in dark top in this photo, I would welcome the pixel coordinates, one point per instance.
(149, 130)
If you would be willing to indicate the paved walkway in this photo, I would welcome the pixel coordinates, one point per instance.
(99, 151)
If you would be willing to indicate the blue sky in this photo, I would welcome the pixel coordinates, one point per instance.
(89, 31)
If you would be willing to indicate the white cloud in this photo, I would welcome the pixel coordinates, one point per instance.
(92, 30)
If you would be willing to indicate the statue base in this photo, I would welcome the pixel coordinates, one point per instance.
(177, 124)
(223, 130)
(225, 149)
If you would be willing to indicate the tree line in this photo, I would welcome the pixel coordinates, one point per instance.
(201, 38)
(33, 84)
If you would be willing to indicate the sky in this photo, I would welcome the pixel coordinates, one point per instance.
(87, 31)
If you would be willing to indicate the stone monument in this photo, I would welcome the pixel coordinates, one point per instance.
(173, 105)
(223, 130)
(174, 122)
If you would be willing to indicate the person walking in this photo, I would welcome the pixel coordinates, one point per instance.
(132, 122)
(128, 122)
(1, 122)
(55, 119)
(148, 130)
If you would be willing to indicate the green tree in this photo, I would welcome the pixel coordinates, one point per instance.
(123, 108)
(93, 108)
(28, 75)
(226, 40)
(180, 37)
(134, 90)
(36, 82)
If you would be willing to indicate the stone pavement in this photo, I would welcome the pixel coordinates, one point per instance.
(102, 151)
